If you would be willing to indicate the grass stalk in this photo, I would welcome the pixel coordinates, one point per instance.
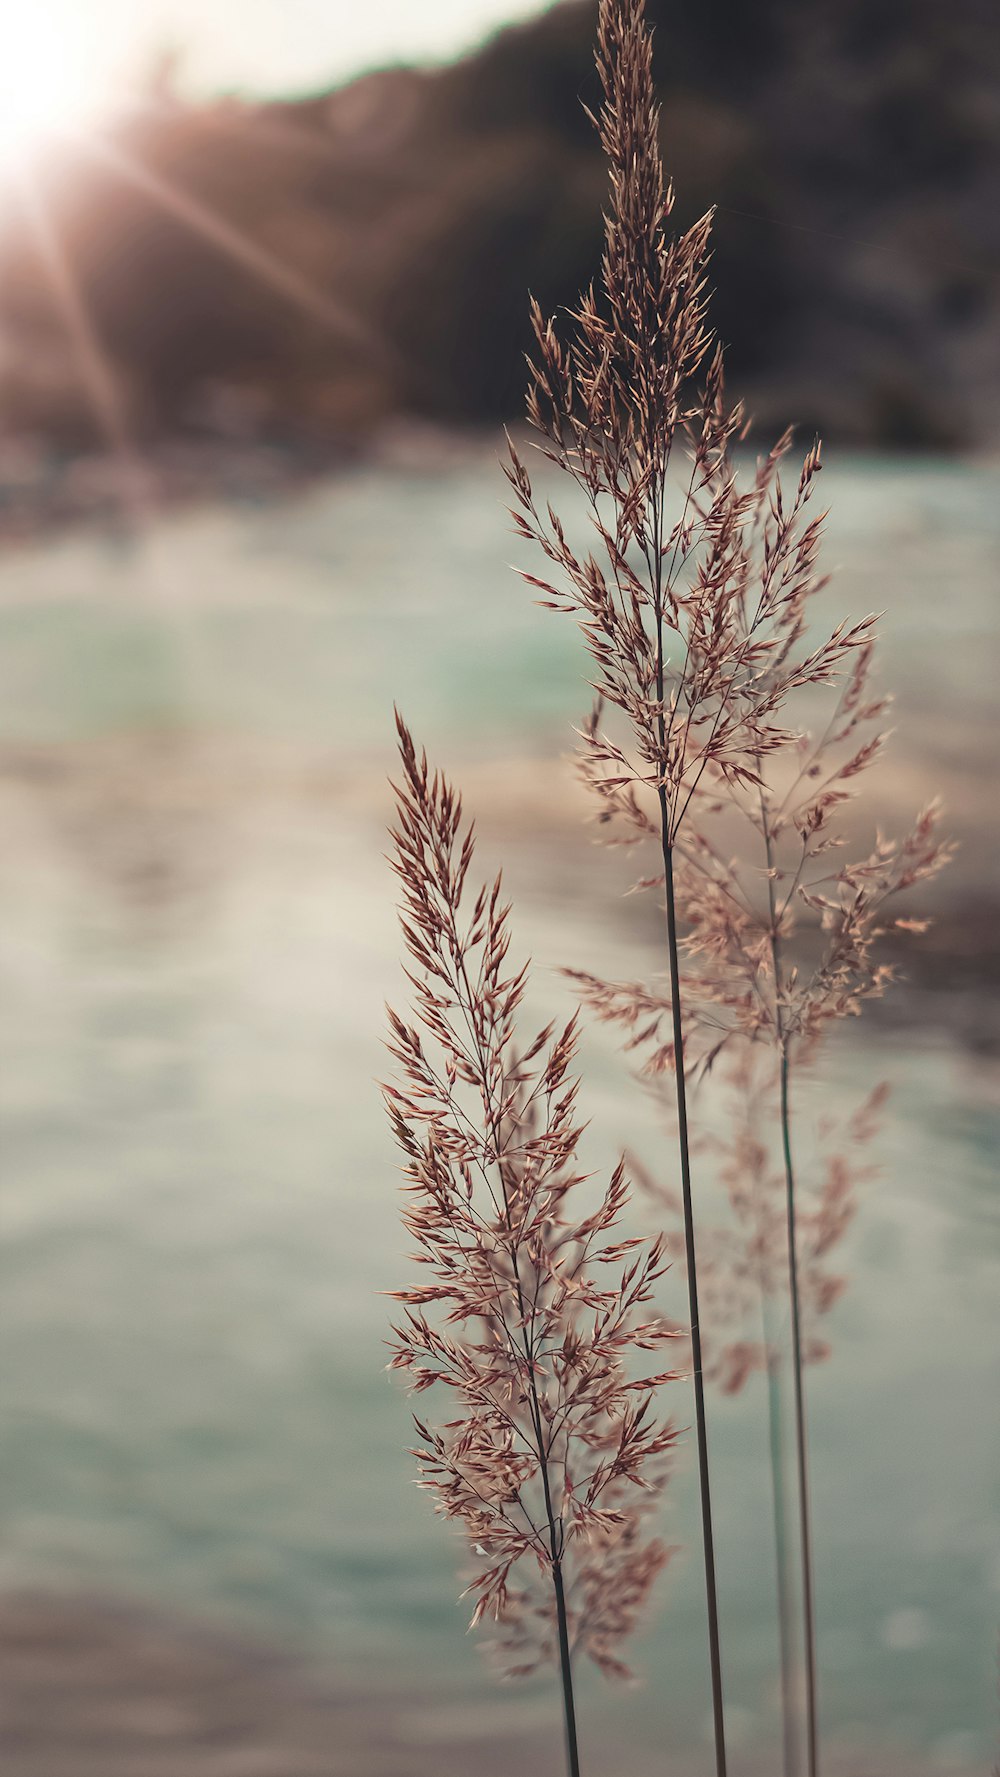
(565, 1669)
(534, 1346)
(801, 1457)
(552, 1523)
(637, 370)
(708, 1536)
(783, 1578)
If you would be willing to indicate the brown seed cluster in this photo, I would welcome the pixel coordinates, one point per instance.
(695, 619)
(535, 1314)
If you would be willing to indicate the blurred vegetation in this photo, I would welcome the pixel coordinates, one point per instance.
(852, 146)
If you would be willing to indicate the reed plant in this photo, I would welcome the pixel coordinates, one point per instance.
(728, 740)
(553, 1456)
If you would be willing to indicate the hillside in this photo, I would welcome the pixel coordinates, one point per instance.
(394, 226)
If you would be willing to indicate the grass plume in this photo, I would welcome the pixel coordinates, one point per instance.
(693, 595)
(535, 1313)
(718, 712)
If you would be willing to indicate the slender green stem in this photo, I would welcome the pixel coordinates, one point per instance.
(708, 1538)
(789, 1738)
(805, 1531)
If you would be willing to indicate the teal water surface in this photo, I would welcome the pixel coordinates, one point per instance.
(198, 1201)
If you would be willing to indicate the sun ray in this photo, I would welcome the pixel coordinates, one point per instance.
(237, 119)
(235, 244)
(95, 374)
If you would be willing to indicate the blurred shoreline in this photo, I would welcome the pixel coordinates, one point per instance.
(45, 492)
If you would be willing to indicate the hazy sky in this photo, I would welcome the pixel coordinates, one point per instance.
(261, 46)
(272, 44)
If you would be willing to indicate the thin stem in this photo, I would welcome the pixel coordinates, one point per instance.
(708, 1539)
(789, 1739)
(805, 1531)
(701, 1424)
(808, 1614)
(555, 1530)
(565, 1655)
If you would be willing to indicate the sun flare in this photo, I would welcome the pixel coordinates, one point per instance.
(47, 84)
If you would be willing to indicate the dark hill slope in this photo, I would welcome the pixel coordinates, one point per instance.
(853, 148)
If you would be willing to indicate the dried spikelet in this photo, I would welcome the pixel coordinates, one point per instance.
(694, 622)
(535, 1312)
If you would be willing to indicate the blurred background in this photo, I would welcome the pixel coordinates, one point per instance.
(263, 277)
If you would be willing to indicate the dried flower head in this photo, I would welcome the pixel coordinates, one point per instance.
(694, 619)
(535, 1311)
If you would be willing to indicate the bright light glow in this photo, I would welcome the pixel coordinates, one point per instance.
(47, 79)
(67, 63)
